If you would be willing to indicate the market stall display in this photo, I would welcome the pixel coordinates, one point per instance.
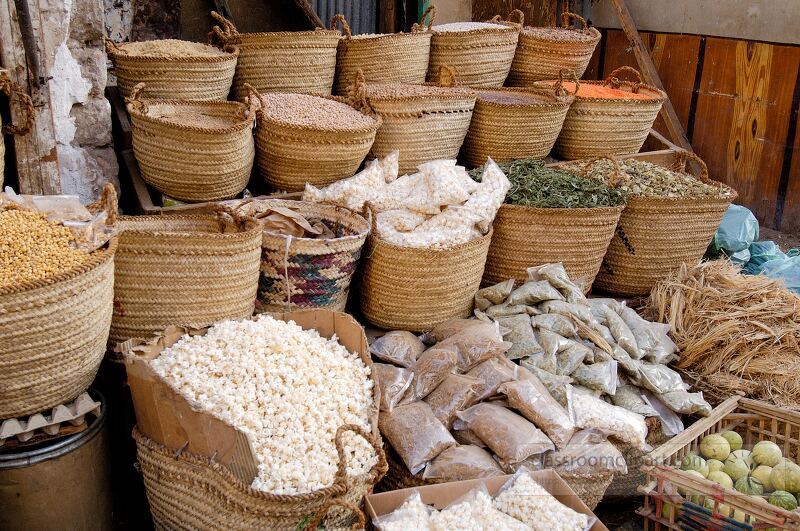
(174, 69)
(303, 62)
(384, 58)
(543, 52)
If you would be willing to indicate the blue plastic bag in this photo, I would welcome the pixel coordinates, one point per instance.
(761, 253)
(787, 269)
(738, 229)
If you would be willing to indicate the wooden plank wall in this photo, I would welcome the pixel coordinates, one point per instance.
(738, 101)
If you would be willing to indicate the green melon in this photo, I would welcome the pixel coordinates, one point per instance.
(736, 468)
(762, 473)
(715, 447)
(733, 438)
(767, 453)
(749, 485)
(715, 465)
(744, 455)
(721, 478)
(696, 463)
(785, 476)
(783, 499)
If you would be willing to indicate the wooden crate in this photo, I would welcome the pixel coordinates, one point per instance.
(754, 421)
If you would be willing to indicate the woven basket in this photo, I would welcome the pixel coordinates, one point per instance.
(386, 58)
(626, 485)
(543, 52)
(53, 331)
(656, 235)
(186, 270)
(199, 77)
(510, 124)
(289, 155)
(525, 237)
(482, 57)
(404, 288)
(193, 151)
(187, 491)
(423, 122)
(599, 126)
(285, 61)
(317, 272)
(9, 88)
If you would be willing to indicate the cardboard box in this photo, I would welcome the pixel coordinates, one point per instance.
(442, 494)
(166, 417)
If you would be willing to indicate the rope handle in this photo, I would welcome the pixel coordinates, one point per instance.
(343, 22)
(108, 202)
(515, 13)
(380, 468)
(357, 94)
(616, 179)
(8, 87)
(361, 521)
(430, 14)
(559, 86)
(566, 16)
(254, 97)
(228, 29)
(112, 47)
(615, 82)
(135, 101)
(448, 76)
(683, 157)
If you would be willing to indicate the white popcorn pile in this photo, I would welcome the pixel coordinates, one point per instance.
(475, 513)
(286, 388)
(530, 503)
(412, 514)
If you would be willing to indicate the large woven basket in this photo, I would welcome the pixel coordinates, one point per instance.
(290, 155)
(303, 273)
(187, 491)
(193, 151)
(656, 235)
(626, 485)
(186, 270)
(526, 237)
(482, 57)
(284, 61)
(174, 77)
(423, 122)
(543, 52)
(404, 288)
(385, 58)
(600, 126)
(510, 124)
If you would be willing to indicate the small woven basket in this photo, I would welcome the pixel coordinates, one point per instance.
(303, 273)
(482, 57)
(626, 485)
(186, 270)
(525, 237)
(510, 124)
(291, 155)
(193, 77)
(385, 58)
(193, 151)
(543, 52)
(53, 331)
(656, 235)
(423, 122)
(286, 61)
(601, 126)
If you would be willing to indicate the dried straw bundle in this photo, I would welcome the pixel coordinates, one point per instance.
(738, 333)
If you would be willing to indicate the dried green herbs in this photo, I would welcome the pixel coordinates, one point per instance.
(535, 185)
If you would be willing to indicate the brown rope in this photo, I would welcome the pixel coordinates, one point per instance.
(421, 26)
(519, 15)
(559, 86)
(448, 76)
(616, 179)
(345, 26)
(380, 468)
(227, 26)
(615, 82)
(567, 15)
(108, 203)
(361, 521)
(8, 87)
(683, 157)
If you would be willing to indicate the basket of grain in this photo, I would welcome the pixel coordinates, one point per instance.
(301, 269)
(425, 122)
(193, 151)
(174, 69)
(189, 270)
(512, 124)
(610, 117)
(285, 61)
(55, 310)
(9, 88)
(481, 52)
(543, 52)
(384, 58)
(302, 138)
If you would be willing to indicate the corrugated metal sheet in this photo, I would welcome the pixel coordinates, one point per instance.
(360, 14)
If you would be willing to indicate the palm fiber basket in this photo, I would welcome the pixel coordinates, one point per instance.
(320, 142)
(526, 236)
(597, 126)
(174, 70)
(194, 151)
(53, 331)
(543, 52)
(285, 61)
(302, 273)
(482, 56)
(625, 486)
(425, 122)
(514, 123)
(187, 270)
(656, 235)
(384, 58)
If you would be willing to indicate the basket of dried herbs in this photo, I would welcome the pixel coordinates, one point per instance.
(669, 219)
(551, 215)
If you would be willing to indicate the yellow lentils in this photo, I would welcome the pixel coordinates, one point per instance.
(33, 248)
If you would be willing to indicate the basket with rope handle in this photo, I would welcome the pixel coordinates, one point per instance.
(25, 105)
(384, 58)
(193, 151)
(301, 62)
(543, 52)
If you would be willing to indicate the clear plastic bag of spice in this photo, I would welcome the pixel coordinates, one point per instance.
(455, 393)
(415, 434)
(432, 367)
(531, 398)
(462, 462)
(475, 344)
(398, 347)
(491, 374)
(392, 382)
